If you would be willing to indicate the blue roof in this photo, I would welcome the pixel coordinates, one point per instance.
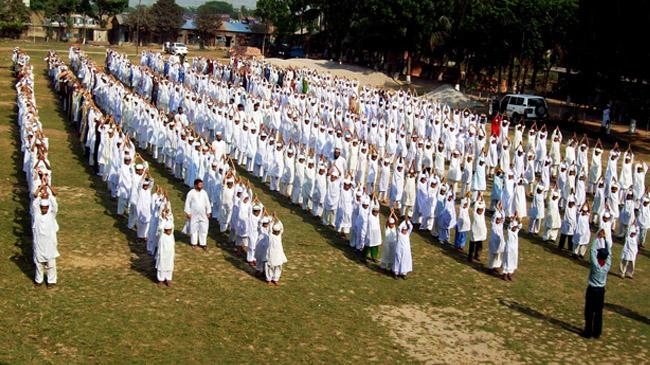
(235, 27)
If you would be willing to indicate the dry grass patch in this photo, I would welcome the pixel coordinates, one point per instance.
(441, 335)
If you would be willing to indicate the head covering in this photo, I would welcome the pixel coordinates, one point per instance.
(45, 203)
(169, 224)
(277, 226)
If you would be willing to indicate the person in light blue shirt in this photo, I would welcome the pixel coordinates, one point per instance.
(601, 261)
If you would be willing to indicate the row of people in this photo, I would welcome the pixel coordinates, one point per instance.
(515, 202)
(38, 173)
(397, 239)
(125, 172)
(252, 228)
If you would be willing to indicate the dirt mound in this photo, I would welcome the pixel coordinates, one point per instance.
(448, 95)
(365, 76)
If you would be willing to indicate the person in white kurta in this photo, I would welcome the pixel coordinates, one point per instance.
(403, 263)
(582, 235)
(537, 210)
(497, 243)
(629, 253)
(390, 241)
(166, 251)
(275, 256)
(373, 233)
(511, 251)
(478, 230)
(197, 210)
(569, 222)
(44, 232)
(143, 209)
(643, 219)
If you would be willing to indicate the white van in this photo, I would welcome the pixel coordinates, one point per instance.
(527, 106)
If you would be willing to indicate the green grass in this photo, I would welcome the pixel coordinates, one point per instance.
(108, 309)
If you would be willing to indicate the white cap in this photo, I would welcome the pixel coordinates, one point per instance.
(277, 226)
(139, 166)
(168, 224)
(44, 203)
(391, 220)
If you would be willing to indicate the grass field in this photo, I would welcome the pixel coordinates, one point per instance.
(328, 309)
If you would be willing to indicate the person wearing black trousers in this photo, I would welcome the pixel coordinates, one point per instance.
(601, 261)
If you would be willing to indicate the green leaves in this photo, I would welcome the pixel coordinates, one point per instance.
(14, 17)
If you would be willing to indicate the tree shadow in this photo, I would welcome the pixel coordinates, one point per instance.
(521, 308)
(22, 229)
(625, 312)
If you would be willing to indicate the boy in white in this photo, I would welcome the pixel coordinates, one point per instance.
(166, 252)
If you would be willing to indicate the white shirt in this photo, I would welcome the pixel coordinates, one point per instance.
(197, 204)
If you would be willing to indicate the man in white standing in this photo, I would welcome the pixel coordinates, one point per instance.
(197, 211)
(44, 229)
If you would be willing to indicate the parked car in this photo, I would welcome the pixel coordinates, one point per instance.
(527, 106)
(285, 51)
(179, 49)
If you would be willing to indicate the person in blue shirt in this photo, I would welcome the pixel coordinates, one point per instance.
(601, 261)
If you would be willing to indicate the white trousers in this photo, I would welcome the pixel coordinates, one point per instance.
(199, 233)
(627, 268)
(273, 273)
(122, 204)
(580, 250)
(143, 229)
(328, 217)
(494, 260)
(550, 234)
(50, 266)
(132, 216)
(165, 275)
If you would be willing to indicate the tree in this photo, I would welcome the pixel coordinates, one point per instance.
(166, 19)
(208, 18)
(104, 9)
(140, 20)
(14, 17)
(279, 14)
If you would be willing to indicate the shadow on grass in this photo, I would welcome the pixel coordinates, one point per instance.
(141, 262)
(22, 218)
(450, 251)
(551, 247)
(625, 312)
(521, 308)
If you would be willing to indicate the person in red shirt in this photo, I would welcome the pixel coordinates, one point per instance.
(495, 125)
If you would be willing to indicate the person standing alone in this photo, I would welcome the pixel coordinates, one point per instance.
(601, 261)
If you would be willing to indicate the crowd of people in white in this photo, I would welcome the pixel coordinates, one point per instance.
(341, 150)
(111, 148)
(38, 173)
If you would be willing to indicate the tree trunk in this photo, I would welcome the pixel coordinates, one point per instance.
(522, 82)
(533, 78)
(499, 79)
(511, 65)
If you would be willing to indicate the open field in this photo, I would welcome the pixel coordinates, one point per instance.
(328, 309)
